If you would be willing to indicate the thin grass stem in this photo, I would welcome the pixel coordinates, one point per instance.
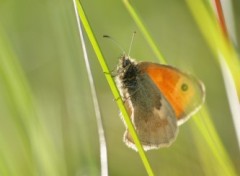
(205, 131)
(102, 140)
(113, 87)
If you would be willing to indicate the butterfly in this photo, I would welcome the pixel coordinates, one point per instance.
(158, 98)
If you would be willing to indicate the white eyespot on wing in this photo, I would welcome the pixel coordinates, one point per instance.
(197, 105)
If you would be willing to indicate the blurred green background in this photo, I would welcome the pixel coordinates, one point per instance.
(47, 121)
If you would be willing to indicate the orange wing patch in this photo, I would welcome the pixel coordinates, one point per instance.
(184, 92)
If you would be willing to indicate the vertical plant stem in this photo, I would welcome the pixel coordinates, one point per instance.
(113, 87)
(102, 140)
(144, 31)
(212, 33)
(232, 95)
(210, 130)
(221, 18)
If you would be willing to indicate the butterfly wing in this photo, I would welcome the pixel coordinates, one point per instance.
(184, 92)
(152, 116)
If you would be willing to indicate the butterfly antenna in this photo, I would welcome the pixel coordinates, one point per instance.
(116, 43)
(130, 47)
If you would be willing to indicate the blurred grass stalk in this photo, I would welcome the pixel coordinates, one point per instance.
(37, 154)
(218, 39)
(229, 32)
(219, 45)
(102, 140)
(215, 33)
(113, 87)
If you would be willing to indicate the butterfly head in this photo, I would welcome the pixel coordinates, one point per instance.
(125, 62)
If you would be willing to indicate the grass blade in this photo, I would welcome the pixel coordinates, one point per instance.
(209, 129)
(102, 140)
(113, 87)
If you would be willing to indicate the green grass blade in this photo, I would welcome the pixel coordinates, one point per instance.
(20, 101)
(216, 40)
(145, 32)
(224, 52)
(206, 128)
(113, 86)
(38, 152)
(102, 140)
(206, 131)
